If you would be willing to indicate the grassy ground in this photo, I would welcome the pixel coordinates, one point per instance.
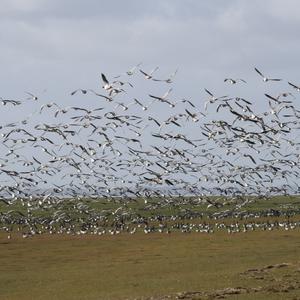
(140, 266)
(153, 207)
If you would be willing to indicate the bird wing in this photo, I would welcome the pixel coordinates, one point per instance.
(259, 72)
(208, 92)
(294, 86)
(104, 79)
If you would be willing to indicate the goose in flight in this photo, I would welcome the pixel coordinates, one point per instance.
(169, 79)
(149, 75)
(297, 88)
(164, 98)
(265, 79)
(213, 99)
(132, 70)
(107, 86)
(110, 87)
(81, 90)
(234, 81)
(33, 97)
(13, 102)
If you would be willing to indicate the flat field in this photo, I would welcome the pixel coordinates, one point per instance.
(252, 265)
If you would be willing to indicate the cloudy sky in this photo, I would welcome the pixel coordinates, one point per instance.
(61, 45)
(52, 47)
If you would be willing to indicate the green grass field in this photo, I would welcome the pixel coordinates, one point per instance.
(259, 264)
(155, 206)
(141, 266)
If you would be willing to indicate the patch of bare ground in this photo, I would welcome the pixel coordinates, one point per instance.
(277, 281)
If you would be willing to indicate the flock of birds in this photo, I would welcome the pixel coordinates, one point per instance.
(58, 162)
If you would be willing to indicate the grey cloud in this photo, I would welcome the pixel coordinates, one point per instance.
(60, 44)
(114, 9)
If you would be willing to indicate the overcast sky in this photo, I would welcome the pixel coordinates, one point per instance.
(60, 45)
(52, 47)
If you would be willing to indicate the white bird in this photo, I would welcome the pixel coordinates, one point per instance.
(107, 86)
(132, 70)
(33, 97)
(149, 75)
(297, 88)
(265, 79)
(234, 81)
